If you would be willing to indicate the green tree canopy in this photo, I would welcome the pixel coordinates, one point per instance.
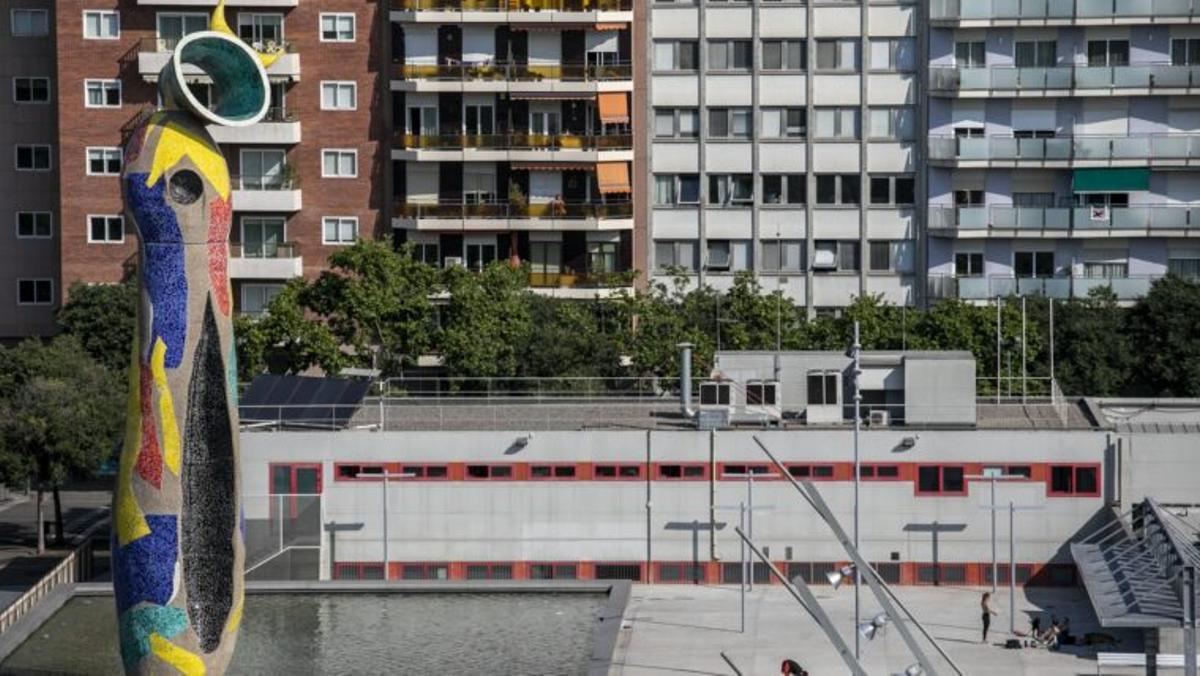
(102, 317)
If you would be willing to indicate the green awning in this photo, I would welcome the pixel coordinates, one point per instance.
(1111, 180)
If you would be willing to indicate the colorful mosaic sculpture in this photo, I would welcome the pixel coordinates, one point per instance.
(178, 550)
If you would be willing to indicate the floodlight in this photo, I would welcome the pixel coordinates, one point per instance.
(836, 577)
(869, 629)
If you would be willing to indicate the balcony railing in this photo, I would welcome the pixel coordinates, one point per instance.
(1082, 218)
(510, 72)
(1004, 78)
(280, 114)
(577, 280)
(991, 286)
(1040, 10)
(507, 211)
(168, 45)
(1066, 148)
(513, 5)
(269, 182)
(515, 141)
(264, 250)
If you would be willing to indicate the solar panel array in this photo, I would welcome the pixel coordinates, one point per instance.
(302, 401)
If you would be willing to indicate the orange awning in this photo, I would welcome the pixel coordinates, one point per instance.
(610, 26)
(613, 177)
(614, 107)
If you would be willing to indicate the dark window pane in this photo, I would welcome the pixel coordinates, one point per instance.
(1085, 480)
(436, 472)
(952, 479)
(539, 471)
(477, 471)
(887, 471)
(905, 190)
(564, 471)
(1061, 478)
(502, 471)
(826, 189)
(630, 471)
(881, 192)
(800, 471)
(823, 471)
(851, 189)
(606, 471)
(929, 479)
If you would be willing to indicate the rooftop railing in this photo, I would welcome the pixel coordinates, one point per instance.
(508, 211)
(1065, 218)
(1153, 76)
(1015, 10)
(1178, 147)
(514, 72)
(515, 141)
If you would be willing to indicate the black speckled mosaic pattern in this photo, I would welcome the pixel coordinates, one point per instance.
(209, 511)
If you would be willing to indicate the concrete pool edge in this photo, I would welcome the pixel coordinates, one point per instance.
(604, 637)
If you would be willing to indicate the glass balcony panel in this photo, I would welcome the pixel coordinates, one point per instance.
(1030, 217)
(942, 148)
(977, 78)
(980, 9)
(1033, 9)
(1093, 78)
(1001, 286)
(941, 218)
(1057, 148)
(1125, 218)
(973, 218)
(973, 288)
(1003, 217)
(1132, 76)
(1168, 76)
(1058, 78)
(1005, 78)
(1058, 9)
(1130, 288)
(1132, 7)
(1166, 217)
(973, 148)
(1033, 78)
(1091, 148)
(1029, 148)
(1002, 148)
(1058, 218)
(1086, 218)
(1094, 8)
(1171, 147)
(1130, 147)
(1193, 219)
(1171, 7)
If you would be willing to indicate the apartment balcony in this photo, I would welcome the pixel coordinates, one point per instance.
(1157, 150)
(495, 217)
(1055, 222)
(279, 127)
(513, 147)
(154, 53)
(1004, 81)
(566, 12)
(213, 3)
(507, 77)
(266, 193)
(985, 288)
(988, 13)
(579, 285)
(264, 260)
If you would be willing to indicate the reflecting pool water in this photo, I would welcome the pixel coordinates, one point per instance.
(392, 633)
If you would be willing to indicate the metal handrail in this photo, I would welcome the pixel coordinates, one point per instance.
(1145, 75)
(1107, 147)
(1040, 10)
(513, 5)
(507, 210)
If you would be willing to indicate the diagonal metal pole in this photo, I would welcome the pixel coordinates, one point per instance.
(865, 572)
(805, 598)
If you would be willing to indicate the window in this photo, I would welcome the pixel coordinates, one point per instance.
(811, 471)
(838, 54)
(618, 471)
(879, 258)
(784, 188)
(101, 24)
(676, 189)
(106, 229)
(337, 27)
(262, 236)
(897, 190)
(1033, 263)
(35, 291)
(784, 55)
(895, 54)
(347, 471)
(475, 472)
(1035, 53)
(557, 571)
(1010, 470)
(968, 264)
(1188, 268)
(835, 255)
(941, 480)
(879, 472)
(893, 123)
(739, 470)
(602, 257)
(256, 298)
(726, 255)
(339, 229)
(970, 54)
(552, 471)
(102, 93)
(836, 123)
(676, 123)
(682, 472)
(716, 394)
(263, 169)
(823, 388)
(32, 157)
(27, 23)
(681, 254)
(480, 254)
(31, 90)
(783, 255)
(339, 163)
(838, 189)
(676, 55)
(760, 393)
(103, 161)
(731, 189)
(784, 122)
(1102, 53)
(1109, 269)
(34, 225)
(1081, 480)
(1036, 200)
(1185, 52)
(339, 95)
(173, 26)
(260, 31)
(730, 122)
(730, 55)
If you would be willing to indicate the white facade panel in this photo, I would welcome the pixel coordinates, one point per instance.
(891, 20)
(834, 290)
(780, 223)
(675, 22)
(675, 90)
(890, 157)
(836, 22)
(782, 22)
(728, 157)
(728, 22)
(728, 90)
(835, 223)
(781, 158)
(675, 157)
(893, 89)
(675, 223)
(835, 90)
(895, 290)
(835, 157)
(891, 223)
(728, 223)
(781, 90)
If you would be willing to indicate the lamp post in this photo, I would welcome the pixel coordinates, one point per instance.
(1012, 508)
(992, 477)
(385, 477)
(856, 371)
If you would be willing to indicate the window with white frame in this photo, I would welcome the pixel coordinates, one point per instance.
(676, 189)
(35, 291)
(34, 225)
(173, 26)
(102, 93)
(676, 123)
(256, 298)
(103, 161)
(831, 255)
(32, 157)
(339, 95)
(836, 123)
(339, 163)
(261, 30)
(783, 55)
(893, 54)
(101, 24)
(838, 54)
(731, 122)
(786, 255)
(729, 255)
(29, 23)
(262, 236)
(337, 27)
(340, 229)
(676, 55)
(106, 229)
(675, 253)
(31, 90)
(893, 123)
(784, 122)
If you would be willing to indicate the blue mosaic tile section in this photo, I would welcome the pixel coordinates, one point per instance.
(144, 570)
(162, 256)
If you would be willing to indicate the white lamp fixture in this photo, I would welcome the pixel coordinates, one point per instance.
(914, 670)
(837, 577)
(869, 629)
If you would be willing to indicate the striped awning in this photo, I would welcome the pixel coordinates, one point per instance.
(613, 177)
(610, 26)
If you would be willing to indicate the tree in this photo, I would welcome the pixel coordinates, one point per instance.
(1094, 355)
(286, 339)
(102, 317)
(63, 417)
(572, 339)
(665, 318)
(1165, 328)
(486, 322)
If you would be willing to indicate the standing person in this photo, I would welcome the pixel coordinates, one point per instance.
(986, 606)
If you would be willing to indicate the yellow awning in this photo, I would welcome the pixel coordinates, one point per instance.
(614, 107)
(613, 177)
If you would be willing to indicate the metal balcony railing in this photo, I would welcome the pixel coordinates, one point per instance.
(513, 5)
(264, 250)
(1144, 217)
(507, 211)
(280, 114)
(265, 182)
(991, 286)
(1152, 147)
(514, 72)
(167, 44)
(1067, 10)
(588, 280)
(515, 141)
(1153, 76)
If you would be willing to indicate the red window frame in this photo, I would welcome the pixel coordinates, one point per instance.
(875, 467)
(828, 471)
(489, 568)
(1007, 467)
(941, 491)
(620, 469)
(554, 468)
(761, 471)
(424, 468)
(556, 570)
(337, 470)
(292, 467)
(359, 567)
(688, 471)
(1073, 491)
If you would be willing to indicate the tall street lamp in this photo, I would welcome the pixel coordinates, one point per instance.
(385, 477)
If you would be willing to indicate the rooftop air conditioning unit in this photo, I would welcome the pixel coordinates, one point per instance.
(714, 394)
(763, 396)
(453, 260)
(879, 418)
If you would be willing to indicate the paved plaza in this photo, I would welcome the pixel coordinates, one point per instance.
(676, 629)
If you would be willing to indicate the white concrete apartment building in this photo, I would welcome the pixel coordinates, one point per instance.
(783, 142)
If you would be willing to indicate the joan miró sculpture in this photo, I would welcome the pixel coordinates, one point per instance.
(178, 550)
